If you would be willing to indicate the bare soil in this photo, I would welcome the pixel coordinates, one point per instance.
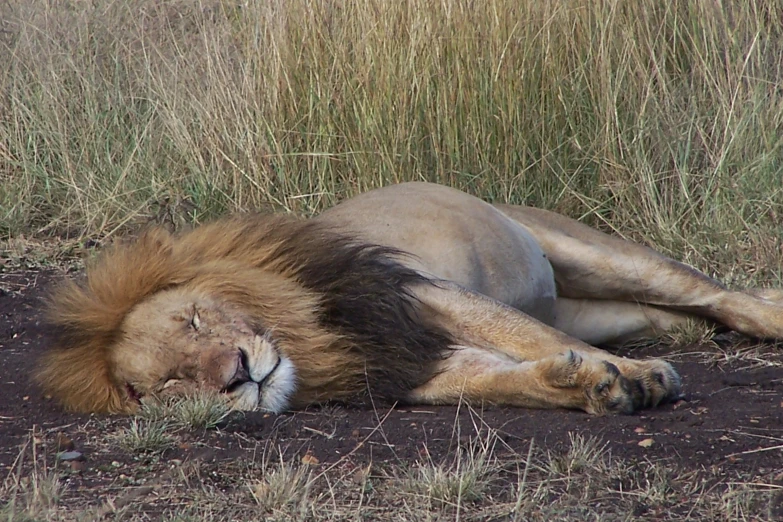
(730, 426)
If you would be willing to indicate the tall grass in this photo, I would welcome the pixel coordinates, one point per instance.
(657, 120)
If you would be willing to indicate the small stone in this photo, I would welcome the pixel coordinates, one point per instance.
(70, 455)
(640, 430)
(361, 475)
(77, 465)
(310, 460)
(115, 464)
(646, 443)
(64, 443)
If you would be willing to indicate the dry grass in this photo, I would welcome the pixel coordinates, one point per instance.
(32, 490)
(282, 489)
(142, 436)
(694, 331)
(579, 480)
(584, 454)
(464, 480)
(155, 430)
(656, 121)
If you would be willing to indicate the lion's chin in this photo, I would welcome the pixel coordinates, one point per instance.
(273, 394)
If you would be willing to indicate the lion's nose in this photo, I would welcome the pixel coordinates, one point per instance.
(242, 374)
(243, 370)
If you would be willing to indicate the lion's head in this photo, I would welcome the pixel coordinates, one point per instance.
(214, 309)
(179, 340)
(269, 310)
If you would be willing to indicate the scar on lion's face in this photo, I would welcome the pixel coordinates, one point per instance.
(178, 341)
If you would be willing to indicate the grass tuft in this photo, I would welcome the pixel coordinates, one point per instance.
(465, 479)
(282, 489)
(200, 410)
(34, 495)
(145, 436)
(584, 454)
(693, 332)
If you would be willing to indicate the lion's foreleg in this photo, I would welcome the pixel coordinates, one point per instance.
(477, 320)
(527, 347)
(568, 380)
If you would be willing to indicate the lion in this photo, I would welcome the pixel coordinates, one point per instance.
(413, 293)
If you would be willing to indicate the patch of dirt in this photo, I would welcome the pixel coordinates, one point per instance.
(730, 425)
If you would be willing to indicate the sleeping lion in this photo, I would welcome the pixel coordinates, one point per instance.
(415, 293)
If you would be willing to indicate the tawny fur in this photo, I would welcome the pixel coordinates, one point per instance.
(413, 291)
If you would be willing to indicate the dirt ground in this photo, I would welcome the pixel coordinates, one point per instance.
(730, 426)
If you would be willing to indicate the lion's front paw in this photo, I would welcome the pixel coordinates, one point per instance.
(600, 386)
(653, 381)
(606, 389)
(592, 384)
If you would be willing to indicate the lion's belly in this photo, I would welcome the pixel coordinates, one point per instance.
(510, 267)
(457, 237)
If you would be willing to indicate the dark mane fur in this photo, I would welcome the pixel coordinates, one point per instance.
(367, 298)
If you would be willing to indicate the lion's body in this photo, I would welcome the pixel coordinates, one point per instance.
(455, 237)
(414, 292)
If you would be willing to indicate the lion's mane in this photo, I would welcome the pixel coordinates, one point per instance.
(340, 309)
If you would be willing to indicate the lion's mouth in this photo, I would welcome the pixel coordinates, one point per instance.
(133, 394)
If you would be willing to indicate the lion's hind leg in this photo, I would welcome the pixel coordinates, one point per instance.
(607, 322)
(589, 264)
(571, 380)
(503, 356)
(774, 295)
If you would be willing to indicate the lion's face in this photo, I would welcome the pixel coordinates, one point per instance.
(178, 341)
